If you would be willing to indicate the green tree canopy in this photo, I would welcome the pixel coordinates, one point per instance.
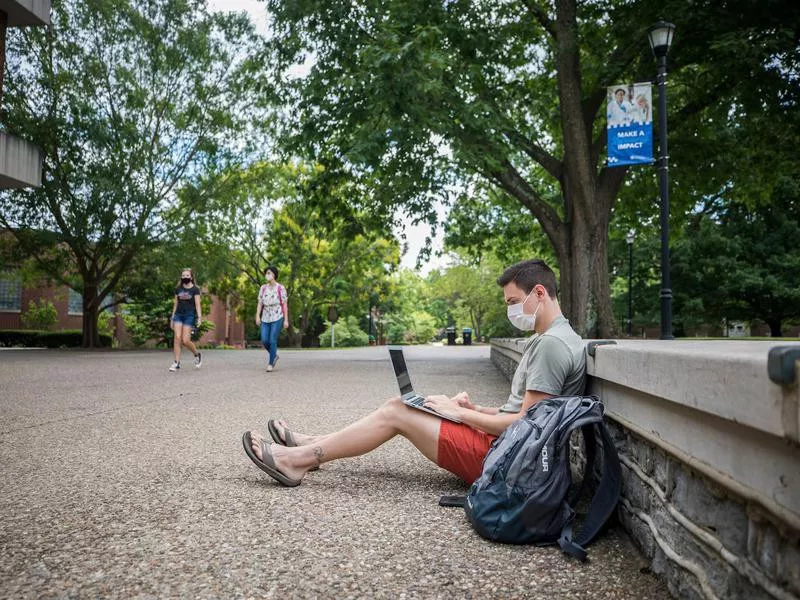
(741, 262)
(129, 100)
(513, 92)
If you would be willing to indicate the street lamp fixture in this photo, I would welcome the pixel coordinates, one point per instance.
(660, 36)
(629, 238)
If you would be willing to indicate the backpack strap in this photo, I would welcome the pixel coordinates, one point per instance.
(453, 501)
(603, 503)
(590, 445)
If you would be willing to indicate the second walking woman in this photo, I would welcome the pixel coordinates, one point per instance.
(272, 314)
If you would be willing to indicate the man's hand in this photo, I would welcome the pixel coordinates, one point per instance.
(258, 320)
(444, 405)
(462, 398)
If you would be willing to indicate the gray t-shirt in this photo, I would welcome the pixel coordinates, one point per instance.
(553, 362)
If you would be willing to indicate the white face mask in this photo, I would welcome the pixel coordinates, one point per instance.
(518, 317)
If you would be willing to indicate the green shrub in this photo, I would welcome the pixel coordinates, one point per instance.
(347, 334)
(41, 316)
(69, 338)
(419, 328)
(105, 323)
(17, 337)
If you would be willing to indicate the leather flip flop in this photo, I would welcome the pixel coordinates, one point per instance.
(267, 462)
(287, 441)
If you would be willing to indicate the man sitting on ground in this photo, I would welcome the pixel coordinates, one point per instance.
(553, 364)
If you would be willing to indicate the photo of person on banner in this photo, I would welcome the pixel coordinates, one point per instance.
(620, 110)
(630, 124)
(642, 113)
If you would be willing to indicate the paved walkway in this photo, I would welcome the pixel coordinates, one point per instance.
(121, 480)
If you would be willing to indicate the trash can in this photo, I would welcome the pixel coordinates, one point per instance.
(467, 336)
(451, 336)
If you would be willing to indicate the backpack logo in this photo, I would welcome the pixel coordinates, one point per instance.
(545, 461)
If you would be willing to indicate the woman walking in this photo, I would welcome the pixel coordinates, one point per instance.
(186, 314)
(272, 314)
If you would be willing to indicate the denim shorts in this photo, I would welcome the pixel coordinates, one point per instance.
(187, 319)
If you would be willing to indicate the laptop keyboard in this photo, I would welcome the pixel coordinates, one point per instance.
(416, 400)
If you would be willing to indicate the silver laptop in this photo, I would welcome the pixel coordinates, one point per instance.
(409, 396)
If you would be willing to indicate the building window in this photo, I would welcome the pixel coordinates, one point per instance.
(10, 291)
(75, 303)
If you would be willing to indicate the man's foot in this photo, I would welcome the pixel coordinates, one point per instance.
(198, 360)
(260, 452)
(175, 366)
(275, 364)
(276, 457)
(269, 368)
(280, 434)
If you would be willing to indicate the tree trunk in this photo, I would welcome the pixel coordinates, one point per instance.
(304, 322)
(584, 292)
(91, 335)
(605, 324)
(228, 309)
(775, 327)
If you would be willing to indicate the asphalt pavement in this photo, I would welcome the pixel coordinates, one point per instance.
(119, 479)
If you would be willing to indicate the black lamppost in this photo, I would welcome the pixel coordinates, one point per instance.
(629, 238)
(660, 36)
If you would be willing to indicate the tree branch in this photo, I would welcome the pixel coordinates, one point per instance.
(548, 162)
(542, 17)
(514, 184)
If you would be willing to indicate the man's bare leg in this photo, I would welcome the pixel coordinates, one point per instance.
(363, 436)
(300, 439)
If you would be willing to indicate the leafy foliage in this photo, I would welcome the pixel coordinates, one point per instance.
(347, 333)
(40, 315)
(27, 338)
(512, 92)
(129, 100)
(737, 262)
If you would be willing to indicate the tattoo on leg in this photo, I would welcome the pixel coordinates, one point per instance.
(318, 454)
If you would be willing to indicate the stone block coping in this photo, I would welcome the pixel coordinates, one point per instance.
(728, 409)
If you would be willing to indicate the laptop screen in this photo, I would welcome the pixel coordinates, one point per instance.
(400, 370)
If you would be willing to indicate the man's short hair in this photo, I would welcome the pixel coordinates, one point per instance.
(529, 273)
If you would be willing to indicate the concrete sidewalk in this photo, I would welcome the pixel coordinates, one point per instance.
(121, 480)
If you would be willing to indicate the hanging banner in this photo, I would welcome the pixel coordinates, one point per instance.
(630, 124)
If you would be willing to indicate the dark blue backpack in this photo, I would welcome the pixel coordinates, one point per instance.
(522, 494)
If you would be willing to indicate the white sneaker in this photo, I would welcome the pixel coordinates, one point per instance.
(269, 368)
(175, 366)
(198, 360)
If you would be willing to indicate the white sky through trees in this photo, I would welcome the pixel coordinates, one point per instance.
(415, 234)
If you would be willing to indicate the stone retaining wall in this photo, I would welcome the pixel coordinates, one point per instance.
(707, 433)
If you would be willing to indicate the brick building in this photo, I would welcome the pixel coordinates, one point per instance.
(15, 297)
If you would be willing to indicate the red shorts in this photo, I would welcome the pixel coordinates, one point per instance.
(462, 449)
